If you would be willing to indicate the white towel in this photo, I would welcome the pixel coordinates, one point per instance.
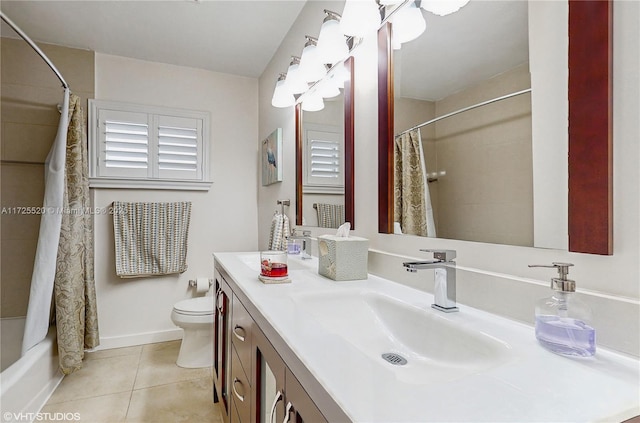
(280, 231)
(150, 238)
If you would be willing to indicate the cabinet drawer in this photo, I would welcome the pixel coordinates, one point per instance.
(241, 326)
(240, 389)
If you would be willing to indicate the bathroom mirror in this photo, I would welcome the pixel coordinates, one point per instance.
(330, 127)
(457, 164)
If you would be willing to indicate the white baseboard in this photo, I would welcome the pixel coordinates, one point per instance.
(107, 343)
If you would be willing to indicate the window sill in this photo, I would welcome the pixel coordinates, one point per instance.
(124, 183)
(310, 189)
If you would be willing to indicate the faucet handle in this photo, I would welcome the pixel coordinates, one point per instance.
(444, 255)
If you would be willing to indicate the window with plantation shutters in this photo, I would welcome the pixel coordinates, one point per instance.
(132, 146)
(323, 160)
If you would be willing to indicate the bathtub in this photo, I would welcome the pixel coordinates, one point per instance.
(27, 384)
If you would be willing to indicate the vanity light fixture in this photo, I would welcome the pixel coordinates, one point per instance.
(443, 7)
(360, 18)
(332, 44)
(294, 81)
(282, 97)
(311, 68)
(408, 24)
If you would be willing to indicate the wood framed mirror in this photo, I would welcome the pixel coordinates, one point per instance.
(347, 156)
(590, 171)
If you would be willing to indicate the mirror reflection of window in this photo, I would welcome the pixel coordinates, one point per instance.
(323, 165)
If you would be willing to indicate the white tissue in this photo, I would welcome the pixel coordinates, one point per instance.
(343, 230)
(202, 285)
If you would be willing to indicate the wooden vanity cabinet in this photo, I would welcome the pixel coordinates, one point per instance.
(222, 345)
(252, 381)
(241, 381)
(278, 396)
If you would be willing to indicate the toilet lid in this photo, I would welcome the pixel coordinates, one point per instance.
(195, 306)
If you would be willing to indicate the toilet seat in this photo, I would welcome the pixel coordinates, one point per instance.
(201, 306)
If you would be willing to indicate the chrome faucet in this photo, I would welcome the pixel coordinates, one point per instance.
(306, 243)
(444, 267)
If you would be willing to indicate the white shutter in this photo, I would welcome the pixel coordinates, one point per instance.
(323, 161)
(124, 144)
(137, 146)
(179, 148)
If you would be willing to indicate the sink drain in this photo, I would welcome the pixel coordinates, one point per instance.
(395, 359)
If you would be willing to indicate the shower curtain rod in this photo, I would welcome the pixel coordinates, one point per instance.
(484, 103)
(35, 47)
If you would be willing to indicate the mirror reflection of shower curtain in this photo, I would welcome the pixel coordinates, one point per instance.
(44, 268)
(412, 201)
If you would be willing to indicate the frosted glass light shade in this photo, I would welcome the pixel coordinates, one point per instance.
(311, 68)
(328, 87)
(332, 45)
(360, 18)
(408, 24)
(340, 74)
(312, 102)
(294, 81)
(443, 7)
(282, 97)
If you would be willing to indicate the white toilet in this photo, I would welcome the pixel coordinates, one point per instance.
(195, 317)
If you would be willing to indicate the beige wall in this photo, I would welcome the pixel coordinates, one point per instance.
(135, 311)
(495, 277)
(30, 93)
(487, 192)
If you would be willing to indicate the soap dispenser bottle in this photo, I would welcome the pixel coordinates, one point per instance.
(563, 321)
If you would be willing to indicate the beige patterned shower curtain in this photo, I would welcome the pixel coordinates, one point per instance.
(410, 201)
(74, 287)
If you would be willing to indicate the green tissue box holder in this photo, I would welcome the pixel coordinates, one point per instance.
(343, 258)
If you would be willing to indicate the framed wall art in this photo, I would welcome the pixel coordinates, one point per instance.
(271, 158)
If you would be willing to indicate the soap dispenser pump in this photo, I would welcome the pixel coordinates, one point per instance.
(562, 321)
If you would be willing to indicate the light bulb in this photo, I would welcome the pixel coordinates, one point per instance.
(328, 87)
(340, 74)
(294, 81)
(360, 18)
(443, 7)
(332, 45)
(408, 24)
(312, 102)
(282, 97)
(311, 68)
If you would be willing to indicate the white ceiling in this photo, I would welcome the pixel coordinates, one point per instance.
(481, 40)
(237, 37)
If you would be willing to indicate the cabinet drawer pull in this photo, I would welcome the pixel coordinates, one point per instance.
(235, 392)
(240, 337)
(287, 411)
(218, 305)
(276, 400)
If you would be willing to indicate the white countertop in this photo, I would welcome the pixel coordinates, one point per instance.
(527, 383)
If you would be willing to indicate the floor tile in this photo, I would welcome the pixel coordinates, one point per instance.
(116, 352)
(158, 366)
(98, 377)
(101, 409)
(189, 401)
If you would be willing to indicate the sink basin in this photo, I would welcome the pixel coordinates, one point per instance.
(436, 347)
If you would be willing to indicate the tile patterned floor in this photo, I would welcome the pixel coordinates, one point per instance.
(139, 384)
